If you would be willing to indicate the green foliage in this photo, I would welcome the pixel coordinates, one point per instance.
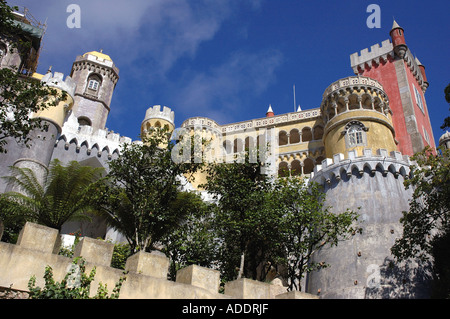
(429, 213)
(120, 255)
(241, 220)
(194, 241)
(75, 285)
(262, 224)
(142, 183)
(306, 225)
(426, 226)
(63, 195)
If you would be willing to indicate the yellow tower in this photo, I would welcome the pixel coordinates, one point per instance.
(357, 116)
(157, 119)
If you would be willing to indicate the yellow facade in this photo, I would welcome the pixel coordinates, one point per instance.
(56, 114)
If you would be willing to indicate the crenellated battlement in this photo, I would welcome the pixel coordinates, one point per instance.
(340, 167)
(56, 80)
(155, 112)
(375, 54)
(37, 248)
(95, 142)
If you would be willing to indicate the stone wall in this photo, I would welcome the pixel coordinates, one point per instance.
(38, 245)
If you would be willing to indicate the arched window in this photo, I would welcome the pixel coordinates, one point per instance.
(294, 136)
(355, 134)
(93, 85)
(296, 168)
(283, 170)
(84, 121)
(308, 166)
(306, 134)
(282, 138)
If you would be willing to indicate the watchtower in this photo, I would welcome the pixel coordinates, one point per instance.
(96, 77)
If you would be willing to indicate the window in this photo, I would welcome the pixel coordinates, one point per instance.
(93, 85)
(355, 134)
(426, 136)
(418, 99)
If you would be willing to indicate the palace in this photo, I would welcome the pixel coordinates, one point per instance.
(357, 144)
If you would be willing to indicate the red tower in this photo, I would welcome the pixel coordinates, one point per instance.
(404, 80)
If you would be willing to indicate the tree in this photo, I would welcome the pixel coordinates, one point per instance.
(140, 187)
(20, 96)
(194, 242)
(306, 225)
(242, 222)
(63, 195)
(426, 226)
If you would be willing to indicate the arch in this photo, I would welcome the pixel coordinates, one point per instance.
(84, 121)
(85, 144)
(283, 169)
(341, 105)
(158, 124)
(402, 171)
(377, 104)
(294, 136)
(366, 101)
(249, 143)
(296, 168)
(318, 132)
(306, 134)
(238, 146)
(74, 141)
(282, 138)
(228, 146)
(94, 83)
(393, 170)
(308, 166)
(353, 102)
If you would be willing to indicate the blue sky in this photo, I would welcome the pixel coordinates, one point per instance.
(228, 60)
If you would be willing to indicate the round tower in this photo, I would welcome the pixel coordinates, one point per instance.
(398, 40)
(155, 118)
(38, 155)
(356, 116)
(96, 77)
(362, 267)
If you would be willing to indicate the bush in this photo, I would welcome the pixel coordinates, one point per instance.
(75, 285)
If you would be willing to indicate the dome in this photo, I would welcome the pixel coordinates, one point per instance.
(100, 55)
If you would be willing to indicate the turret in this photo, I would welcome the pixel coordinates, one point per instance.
(356, 115)
(96, 77)
(270, 112)
(38, 155)
(425, 83)
(155, 118)
(398, 40)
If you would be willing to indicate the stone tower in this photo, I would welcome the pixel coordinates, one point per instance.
(404, 80)
(365, 173)
(96, 77)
